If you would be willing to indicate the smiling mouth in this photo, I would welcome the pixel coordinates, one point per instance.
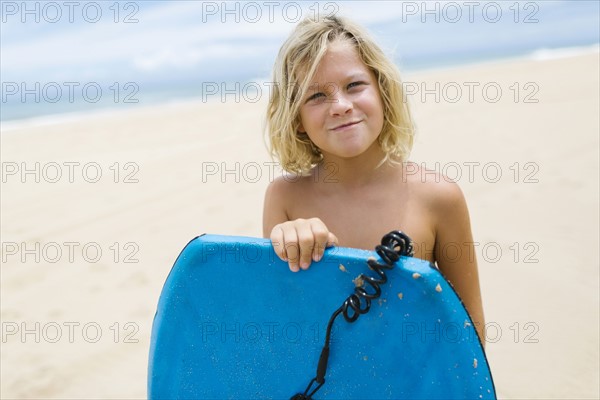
(345, 125)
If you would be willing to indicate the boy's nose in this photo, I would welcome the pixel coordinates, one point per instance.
(340, 104)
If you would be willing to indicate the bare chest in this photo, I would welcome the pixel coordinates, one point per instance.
(361, 219)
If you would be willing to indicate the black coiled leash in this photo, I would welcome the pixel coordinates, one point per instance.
(393, 245)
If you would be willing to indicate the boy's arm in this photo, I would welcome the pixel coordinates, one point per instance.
(274, 207)
(297, 242)
(455, 251)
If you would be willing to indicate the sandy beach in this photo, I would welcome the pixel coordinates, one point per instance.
(88, 239)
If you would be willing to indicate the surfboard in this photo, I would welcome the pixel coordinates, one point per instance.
(234, 322)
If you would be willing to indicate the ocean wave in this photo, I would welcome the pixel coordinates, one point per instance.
(544, 54)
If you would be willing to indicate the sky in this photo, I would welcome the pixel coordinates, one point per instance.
(167, 49)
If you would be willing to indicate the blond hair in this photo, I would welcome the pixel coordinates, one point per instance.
(299, 57)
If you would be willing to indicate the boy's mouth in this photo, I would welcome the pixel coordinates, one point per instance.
(347, 125)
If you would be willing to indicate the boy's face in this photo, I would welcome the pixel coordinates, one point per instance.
(342, 112)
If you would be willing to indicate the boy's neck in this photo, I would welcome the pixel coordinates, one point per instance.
(356, 172)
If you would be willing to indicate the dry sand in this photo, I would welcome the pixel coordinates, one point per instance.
(537, 224)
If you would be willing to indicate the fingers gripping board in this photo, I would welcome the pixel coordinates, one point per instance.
(234, 322)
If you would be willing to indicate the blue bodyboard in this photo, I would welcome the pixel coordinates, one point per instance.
(234, 322)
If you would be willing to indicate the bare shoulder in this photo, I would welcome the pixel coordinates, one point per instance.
(446, 207)
(285, 187)
(279, 198)
(437, 191)
(278, 187)
(278, 193)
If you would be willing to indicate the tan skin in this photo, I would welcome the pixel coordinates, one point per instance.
(350, 201)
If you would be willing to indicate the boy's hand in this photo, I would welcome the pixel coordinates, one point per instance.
(300, 241)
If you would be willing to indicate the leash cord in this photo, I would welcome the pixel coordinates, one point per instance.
(393, 245)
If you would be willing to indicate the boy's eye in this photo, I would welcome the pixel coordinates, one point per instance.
(315, 96)
(320, 97)
(354, 84)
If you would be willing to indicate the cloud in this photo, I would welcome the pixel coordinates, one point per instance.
(179, 36)
(188, 58)
(168, 35)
